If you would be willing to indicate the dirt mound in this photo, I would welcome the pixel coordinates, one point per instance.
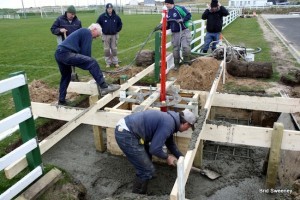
(40, 92)
(198, 76)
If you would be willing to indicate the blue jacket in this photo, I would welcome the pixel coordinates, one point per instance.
(63, 22)
(156, 127)
(78, 42)
(178, 12)
(110, 25)
(214, 22)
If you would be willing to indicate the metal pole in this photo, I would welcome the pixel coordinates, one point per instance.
(23, 9)
(157, 55)
(163, 60)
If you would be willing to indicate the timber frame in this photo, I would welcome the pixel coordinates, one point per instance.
(236, 134)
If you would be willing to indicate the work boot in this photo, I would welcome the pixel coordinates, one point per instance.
(204, 51)
(140, 186)
(186, 60)
(176, 63)
(108, 89)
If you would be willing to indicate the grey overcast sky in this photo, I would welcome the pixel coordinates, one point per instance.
(40, 3)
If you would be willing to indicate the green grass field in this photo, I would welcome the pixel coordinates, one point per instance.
(28, 45)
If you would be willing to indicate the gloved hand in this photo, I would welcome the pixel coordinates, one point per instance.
(179, 20)
(158, 27)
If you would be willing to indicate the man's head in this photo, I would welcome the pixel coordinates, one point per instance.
(214, 5)
(95, 30)
(169, 4)
(187, 120)
(109, 8)
(71, 12)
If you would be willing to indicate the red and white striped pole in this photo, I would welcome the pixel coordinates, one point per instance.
(163, 59)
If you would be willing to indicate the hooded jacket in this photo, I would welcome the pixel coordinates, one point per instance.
(63, 22)
(214, 22)
(157, 128)
(110, 25)
(178, 12)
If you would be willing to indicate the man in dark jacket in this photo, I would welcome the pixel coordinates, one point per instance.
(111, 25)
(143, 134)
(178, 21)
(214, 16)
(66, 24)
(76, 51)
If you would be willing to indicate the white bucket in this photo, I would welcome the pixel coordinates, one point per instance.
(249, 57)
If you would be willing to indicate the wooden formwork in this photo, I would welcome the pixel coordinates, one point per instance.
(108, 117)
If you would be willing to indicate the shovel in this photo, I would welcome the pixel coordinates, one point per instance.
(74, 76)
(208, 173)
(205, 172)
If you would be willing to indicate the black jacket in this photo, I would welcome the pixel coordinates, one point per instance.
(214, 19)
(63, 22)
(110, 25)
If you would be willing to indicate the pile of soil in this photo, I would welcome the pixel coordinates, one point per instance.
(40, 92)
(199, 76)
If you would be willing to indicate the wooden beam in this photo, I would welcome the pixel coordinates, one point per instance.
(83, 88)
(55, 137)
(97, 130)
(190, 155)
(272, 104)
(274, 157)
(39, 187)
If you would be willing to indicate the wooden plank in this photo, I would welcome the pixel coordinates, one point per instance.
(272, 104)
(83, 88)
(244, 135)
(274, 158)
(55, 137)
(180, 175)
(190, 155)
(97, 130)
(42, 185)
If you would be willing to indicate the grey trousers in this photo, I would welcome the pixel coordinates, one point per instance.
(181, 39)
(110, 48)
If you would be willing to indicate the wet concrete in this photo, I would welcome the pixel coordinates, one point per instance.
(198, 127)
(107, 176)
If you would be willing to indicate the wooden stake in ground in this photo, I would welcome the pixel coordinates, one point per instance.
(274, 158)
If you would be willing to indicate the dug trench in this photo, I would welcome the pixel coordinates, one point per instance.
(106, 176)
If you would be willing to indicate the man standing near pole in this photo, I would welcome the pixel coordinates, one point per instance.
(111, 25)
(178, 22)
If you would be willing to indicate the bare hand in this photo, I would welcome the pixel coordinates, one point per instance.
(63, 30)
(171, 160)
(208, 6)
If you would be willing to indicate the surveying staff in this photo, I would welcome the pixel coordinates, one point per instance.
(67, 23)
(143, 134)
(178, 22)
(214, 16)
(111, 25)
(76, 51)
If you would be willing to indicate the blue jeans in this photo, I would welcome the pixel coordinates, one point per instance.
(135, 153)
(66, 59)
(210, 37)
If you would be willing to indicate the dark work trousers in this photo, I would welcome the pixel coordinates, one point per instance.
(135, 153)
(65, 59)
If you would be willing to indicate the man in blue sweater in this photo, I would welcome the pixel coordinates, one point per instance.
(143, 134)
(214, 16)
(111, 25)
(76, 51)
(178, 21)
(67, 23)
